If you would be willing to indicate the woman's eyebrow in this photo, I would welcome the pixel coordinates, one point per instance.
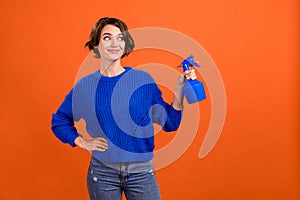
(106, 34)
(111, 34)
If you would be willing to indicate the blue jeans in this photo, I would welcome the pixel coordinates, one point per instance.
(107, 181)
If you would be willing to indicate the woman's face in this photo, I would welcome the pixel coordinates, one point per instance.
(111, 43)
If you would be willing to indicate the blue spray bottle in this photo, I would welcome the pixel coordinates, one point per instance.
(193, 90)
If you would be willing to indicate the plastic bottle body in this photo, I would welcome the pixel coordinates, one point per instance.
(194, 91)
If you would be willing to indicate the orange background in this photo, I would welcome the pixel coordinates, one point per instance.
(255, 45)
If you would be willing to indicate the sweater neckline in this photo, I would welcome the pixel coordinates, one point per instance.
(112, 78)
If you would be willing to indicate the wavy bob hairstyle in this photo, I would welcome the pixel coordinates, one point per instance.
(96, 32)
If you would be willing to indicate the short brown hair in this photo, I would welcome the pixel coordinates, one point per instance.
(96, 31)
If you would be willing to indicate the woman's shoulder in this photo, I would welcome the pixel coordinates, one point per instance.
(87, 80)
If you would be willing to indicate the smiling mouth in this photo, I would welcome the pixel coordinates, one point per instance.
(114, 51)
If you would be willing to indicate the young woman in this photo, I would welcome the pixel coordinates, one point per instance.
(119, 105)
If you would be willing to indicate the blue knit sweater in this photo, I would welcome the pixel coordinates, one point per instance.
(122, 109)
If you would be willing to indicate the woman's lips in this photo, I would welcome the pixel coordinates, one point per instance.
(114, 51)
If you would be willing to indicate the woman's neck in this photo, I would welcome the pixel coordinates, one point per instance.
(112, 68)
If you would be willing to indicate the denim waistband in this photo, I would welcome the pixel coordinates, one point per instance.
(128, 167)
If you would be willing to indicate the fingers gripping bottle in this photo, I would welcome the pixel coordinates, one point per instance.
(193, 90)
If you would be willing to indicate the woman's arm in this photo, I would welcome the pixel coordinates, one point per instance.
(62, 123)
(64, 129)
(169, 116)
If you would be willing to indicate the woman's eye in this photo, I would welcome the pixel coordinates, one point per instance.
(106, 38)
(120, 38)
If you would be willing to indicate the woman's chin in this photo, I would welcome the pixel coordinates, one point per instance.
(114, 57)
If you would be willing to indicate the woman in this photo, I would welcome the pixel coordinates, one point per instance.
(119, 105)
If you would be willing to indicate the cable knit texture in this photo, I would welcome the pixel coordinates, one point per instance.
(122, 109)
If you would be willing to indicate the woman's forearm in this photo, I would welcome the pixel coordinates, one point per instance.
(178, 98)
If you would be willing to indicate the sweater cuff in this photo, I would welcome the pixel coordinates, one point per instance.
(176, 114)
(71, 139)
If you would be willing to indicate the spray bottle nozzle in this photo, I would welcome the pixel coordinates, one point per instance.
(188, 62)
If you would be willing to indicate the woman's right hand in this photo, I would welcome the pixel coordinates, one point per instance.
(96, 144)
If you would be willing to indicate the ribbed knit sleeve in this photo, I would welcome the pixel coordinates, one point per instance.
(63, 122)
(164, 113)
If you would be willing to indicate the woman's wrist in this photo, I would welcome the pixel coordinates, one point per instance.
(78, 141)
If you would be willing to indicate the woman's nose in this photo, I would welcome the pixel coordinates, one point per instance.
(114, 42)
